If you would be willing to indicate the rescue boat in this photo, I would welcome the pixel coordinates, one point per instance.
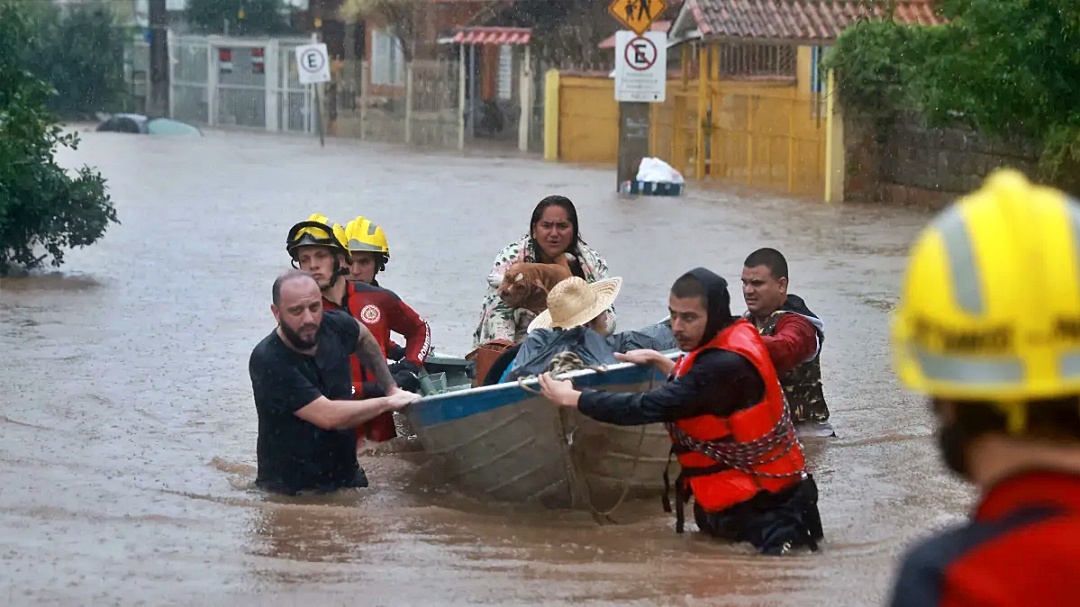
(506, 442)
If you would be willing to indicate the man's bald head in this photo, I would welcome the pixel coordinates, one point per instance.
(298, 309)
(288, 276)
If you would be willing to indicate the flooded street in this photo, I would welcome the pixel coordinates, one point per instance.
(127, 435)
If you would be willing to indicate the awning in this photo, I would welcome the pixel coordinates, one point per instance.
(493, 36)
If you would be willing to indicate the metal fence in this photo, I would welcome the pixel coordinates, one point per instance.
(239, 82)
(429, 104)
(423, 110)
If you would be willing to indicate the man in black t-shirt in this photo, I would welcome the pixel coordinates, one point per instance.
(301, 379)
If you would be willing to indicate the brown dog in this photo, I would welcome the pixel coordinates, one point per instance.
(526, 285)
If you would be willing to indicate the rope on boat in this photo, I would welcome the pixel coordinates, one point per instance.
(565, 362)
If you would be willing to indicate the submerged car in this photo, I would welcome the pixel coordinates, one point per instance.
(140, 124)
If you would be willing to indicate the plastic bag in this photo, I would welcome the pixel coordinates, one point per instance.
(658, 171)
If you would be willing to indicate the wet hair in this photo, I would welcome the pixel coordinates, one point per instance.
(285, 277)
(571, 214)
(770, 258)
(688, 286)
(1051, 418)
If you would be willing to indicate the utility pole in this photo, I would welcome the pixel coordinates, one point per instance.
(159, 61)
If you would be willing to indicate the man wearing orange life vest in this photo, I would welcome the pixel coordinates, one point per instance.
(730, 428)
(317, 246)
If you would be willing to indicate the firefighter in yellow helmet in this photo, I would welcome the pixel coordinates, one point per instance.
(988, 327)
(369, 251)
(369, 254)
(320, 247)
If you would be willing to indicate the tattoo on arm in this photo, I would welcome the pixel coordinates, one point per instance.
(373, 358)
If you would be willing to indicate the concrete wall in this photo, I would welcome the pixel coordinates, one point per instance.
(910, 163)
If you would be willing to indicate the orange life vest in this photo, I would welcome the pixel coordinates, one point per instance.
(728, 460)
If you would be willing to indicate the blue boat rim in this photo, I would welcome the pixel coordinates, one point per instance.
(449, 406)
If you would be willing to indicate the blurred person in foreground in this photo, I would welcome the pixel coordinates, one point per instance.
(988, 327)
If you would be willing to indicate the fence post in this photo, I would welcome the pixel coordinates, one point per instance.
(791, 143)
(551, 115)
(272, 74)
(211, 83)
(526, 100)
(834, 144)
(750, 106)
(408, 102)
(461, 98)
(702, 110)
(170, 45)
(363, 99)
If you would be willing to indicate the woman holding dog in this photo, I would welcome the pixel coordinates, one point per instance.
(553, 231)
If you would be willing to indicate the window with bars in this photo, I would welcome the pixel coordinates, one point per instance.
(387, 59)
(758, 60)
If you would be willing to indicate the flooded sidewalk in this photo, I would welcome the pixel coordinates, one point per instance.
(127, 435)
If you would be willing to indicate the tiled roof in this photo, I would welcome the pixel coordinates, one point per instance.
(811, 20)
(492, 35)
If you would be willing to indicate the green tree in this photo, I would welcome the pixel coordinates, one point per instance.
(1003, 67)
(42, 206)
(83, 58)
(244, 17)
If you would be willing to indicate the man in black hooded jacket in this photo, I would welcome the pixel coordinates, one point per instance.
(730, 427)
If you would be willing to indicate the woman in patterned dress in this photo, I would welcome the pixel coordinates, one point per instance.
(553, 231)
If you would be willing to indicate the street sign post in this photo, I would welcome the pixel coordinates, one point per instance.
(640, 78)
(640, 67)
(637, 15)
(313, 68)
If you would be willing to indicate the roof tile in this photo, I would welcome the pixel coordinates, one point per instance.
(799, 19)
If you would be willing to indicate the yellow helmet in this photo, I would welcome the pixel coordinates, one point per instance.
(361, 235)
(317, 230)
(990, 303)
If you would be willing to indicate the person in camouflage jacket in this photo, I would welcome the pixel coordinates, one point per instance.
(793, 335)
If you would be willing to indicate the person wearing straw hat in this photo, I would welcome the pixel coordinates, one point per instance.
(724, 408)
(575, 321)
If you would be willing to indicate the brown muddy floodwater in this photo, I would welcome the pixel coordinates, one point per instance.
(127, 433)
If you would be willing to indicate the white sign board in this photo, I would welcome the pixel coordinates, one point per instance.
(640, 67)
(312, 64)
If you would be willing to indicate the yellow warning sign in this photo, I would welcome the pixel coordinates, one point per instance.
(637, 15)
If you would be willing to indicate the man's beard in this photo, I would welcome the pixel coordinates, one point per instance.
(299, 342)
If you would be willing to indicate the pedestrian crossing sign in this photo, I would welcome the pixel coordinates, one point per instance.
(637, 15)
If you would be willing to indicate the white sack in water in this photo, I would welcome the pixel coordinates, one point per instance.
(658, 171)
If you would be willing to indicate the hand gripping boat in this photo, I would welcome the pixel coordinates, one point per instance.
(506, 443)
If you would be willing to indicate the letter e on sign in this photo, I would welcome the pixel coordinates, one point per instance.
(313, 64)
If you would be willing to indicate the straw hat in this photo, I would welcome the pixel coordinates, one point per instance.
(574, 302)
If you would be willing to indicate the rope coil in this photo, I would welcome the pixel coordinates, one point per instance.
(745, 456)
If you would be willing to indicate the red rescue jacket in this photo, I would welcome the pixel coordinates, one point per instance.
(382, 311)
